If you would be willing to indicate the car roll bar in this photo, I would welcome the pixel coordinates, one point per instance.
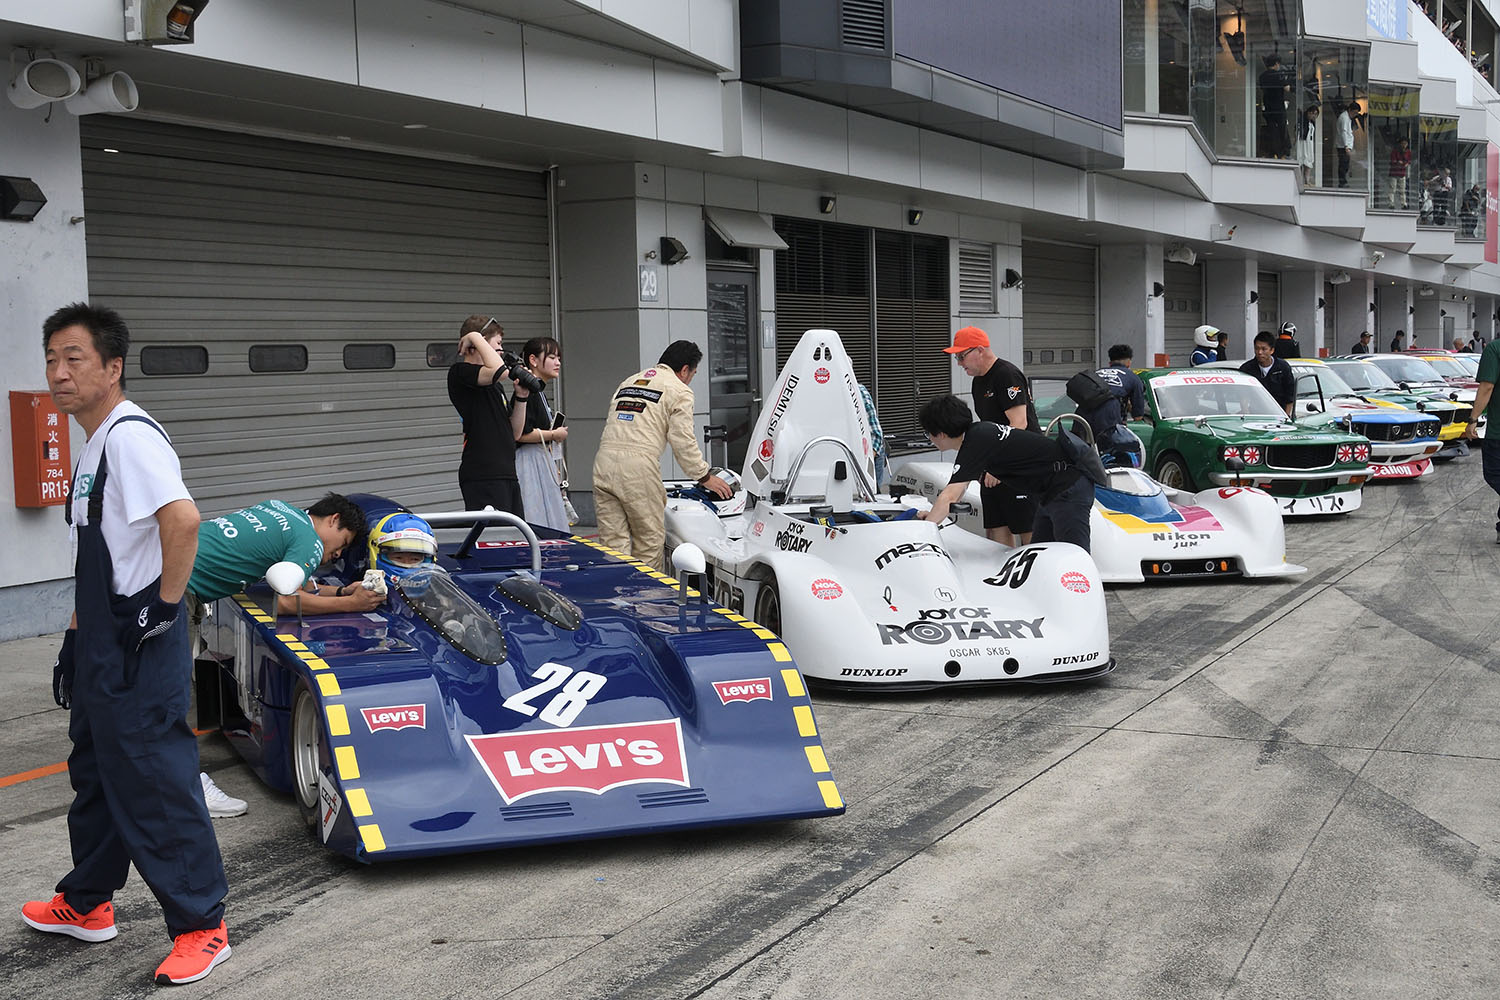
(481, 519)
(864, 484)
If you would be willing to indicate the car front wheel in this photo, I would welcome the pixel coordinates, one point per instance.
(768, 606)
(309, 751)
(1172, 471)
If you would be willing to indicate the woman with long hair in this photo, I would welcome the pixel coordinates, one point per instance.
(539, 445)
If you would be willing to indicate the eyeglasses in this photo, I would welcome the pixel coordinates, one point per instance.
(959, 357)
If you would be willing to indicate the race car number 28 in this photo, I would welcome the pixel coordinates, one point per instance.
(577, 687)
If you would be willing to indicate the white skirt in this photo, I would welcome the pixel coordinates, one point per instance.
(539, 490)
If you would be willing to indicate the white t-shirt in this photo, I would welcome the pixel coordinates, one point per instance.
(144, 476)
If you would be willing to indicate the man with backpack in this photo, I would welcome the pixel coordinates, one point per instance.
(1015, 461)
(1107, 398)
(1002, 395)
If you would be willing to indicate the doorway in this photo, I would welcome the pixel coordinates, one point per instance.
(733, 377)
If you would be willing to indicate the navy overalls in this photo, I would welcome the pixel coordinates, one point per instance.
(134, 765)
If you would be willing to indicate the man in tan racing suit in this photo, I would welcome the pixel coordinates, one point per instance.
(650, 409)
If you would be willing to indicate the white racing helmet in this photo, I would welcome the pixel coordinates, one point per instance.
(1206, 336)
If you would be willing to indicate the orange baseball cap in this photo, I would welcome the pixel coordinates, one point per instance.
(968, 337)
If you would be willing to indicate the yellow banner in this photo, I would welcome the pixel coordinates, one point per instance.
(1402, 105)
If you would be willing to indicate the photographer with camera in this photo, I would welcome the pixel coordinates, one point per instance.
(487, 471)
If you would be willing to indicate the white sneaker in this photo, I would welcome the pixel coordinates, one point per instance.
(219, 804)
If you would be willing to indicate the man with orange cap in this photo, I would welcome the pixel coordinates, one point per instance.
(1002, 396)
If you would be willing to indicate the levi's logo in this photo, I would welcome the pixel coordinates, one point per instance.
(587, 759)
(395, 717)
(746, 690)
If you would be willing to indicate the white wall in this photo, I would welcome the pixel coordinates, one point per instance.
(42, 267)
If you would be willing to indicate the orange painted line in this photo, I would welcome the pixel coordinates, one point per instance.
(51, 769)
(34, 773)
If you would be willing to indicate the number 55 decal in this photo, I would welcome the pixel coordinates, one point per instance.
(577, 688)
(1015, 571)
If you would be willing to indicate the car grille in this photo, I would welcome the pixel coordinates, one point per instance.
(540, 810)
(1396, 432)
(1299, 456)
(675, 797)
(1300, 487)
(1446, 417)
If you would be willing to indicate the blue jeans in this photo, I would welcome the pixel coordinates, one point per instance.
(1489, 450)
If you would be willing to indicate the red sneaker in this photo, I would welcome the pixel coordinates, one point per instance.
(194, 956)
(55, 916)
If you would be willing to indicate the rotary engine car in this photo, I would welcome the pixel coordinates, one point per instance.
(518, 690)
(1375, 386)
(866, 594)
(1401, 440)
(1201, 420)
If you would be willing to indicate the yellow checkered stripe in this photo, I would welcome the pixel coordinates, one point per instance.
(646, 568)
(336, 725)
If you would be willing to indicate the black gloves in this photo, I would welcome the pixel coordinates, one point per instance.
(151, 621)
(62, 670)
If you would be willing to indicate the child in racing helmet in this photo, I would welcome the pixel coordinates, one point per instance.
(402, 543)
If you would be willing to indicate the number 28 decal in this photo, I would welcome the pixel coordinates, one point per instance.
(577, 688)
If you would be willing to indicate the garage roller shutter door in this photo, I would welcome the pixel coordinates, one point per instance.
(229, 241)
(1182, 310)
(1058, 308)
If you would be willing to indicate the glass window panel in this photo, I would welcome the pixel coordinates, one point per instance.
(187, 359)
(369, 357)
(1439, 172)
(442, 355)
(1394, 161)
(278, 358)
(1472, 185)
(1336, 80)
(1256, 98)
(1157, 56)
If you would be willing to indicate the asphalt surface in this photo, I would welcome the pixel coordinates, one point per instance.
(1286, 789)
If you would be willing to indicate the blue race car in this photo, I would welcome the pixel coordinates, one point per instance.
(512, 691)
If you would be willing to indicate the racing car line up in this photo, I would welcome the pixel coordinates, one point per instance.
(521, 685)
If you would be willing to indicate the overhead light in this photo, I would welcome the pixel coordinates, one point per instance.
(826, 204)
(1181, 253)
(1426, 291)
(42, 81)
(20, 199)
(413, 125)
(1339, 278)
(1012, 278)
(1376, 256)
(111, 93)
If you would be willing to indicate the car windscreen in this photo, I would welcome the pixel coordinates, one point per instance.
(1232, 399)
(1309, 377)
(1362, 375)
(1408, 369)
(1050, 396)
(1448, 367)
(453, 614)
(1469, 362)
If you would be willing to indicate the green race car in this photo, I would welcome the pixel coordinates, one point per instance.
(1202, 420)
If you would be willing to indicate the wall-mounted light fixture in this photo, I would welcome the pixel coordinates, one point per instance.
(111, 93)
(913, 216)
(1442, 312)
(1376, 256)
(1157, 290)
(1012, 278)
(1411, 310)
(20, 199)
(1254, 297)
(42, 81)
(1339, 278)
(1321, 302)
(1372, 307)
(1425, 291)
(826, 204)
(672, 250)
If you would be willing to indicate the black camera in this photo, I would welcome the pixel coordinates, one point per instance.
(519, 373)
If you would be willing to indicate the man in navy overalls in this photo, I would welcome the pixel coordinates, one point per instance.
(125, 667)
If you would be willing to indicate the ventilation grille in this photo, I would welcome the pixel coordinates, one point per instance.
(676, 797)
(862, 24)
(976, 278)
(542, 810)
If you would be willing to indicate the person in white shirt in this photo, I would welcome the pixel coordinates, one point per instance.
(124, 670)
(1343, 140)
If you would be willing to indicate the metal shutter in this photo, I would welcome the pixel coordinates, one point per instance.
(823, 283)
(1268, 301)
(233, 241)
(1059, 325)
(1182, 309)
(912, 327)
(976, 278)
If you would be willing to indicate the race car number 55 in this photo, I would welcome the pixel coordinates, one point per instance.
(577, 688)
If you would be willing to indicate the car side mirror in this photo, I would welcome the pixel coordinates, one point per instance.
(687, 559)
(286, 578)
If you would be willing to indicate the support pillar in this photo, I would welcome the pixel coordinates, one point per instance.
(1227, 305)
(1132, 315)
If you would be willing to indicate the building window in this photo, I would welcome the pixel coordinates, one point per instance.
(1395, 164)
(185, 359)
(369, 357)
(1257, 100)
(278, 358)
(1471, 187)
(1439, 177)
(1336, 78)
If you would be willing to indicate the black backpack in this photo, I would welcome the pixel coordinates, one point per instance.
(1082, 455)
(1089, 390)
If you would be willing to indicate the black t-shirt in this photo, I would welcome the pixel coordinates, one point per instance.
(1026, 463)
(489, 443)
(1000, 388)
(1280, 381)
(538, 414)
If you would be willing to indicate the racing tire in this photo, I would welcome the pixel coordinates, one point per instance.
(307, 747)
(1172, 471)
(768, 606)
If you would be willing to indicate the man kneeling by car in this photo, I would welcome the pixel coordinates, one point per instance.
(1013, 459)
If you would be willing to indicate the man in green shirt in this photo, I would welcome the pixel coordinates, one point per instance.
(235, 550)
(1489, 448)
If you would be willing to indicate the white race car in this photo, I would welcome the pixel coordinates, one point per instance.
(1141, 530)
(864, 593)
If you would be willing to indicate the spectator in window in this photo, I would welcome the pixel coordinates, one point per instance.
(1343, 141)
(1307, 148)
(1400, 162)
(1273, 87)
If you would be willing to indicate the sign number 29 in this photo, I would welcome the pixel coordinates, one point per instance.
(576, 690)
(648, 283)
